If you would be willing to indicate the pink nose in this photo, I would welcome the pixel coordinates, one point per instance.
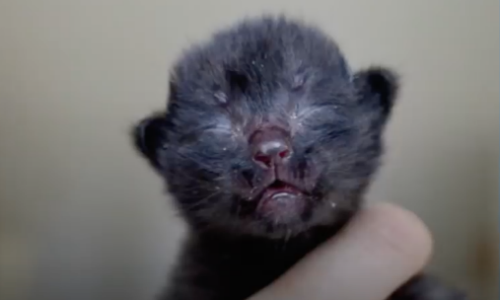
(270, 147)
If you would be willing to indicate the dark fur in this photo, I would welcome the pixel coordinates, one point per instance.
(260, 72)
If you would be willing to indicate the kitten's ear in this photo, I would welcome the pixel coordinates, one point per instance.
(149, 136)
(378, 87)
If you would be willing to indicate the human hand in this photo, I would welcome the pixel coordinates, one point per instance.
(382, 248)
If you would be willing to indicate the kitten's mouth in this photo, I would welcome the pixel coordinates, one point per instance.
(281, 201)
(279, 189)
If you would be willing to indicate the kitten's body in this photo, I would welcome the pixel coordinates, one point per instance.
(267, 145)
(235, 267)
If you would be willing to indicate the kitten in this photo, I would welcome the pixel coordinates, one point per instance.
(267, 144)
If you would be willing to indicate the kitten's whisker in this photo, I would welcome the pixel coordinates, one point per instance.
(202, 202)
(198, 162)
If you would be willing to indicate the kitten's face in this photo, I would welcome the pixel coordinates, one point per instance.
(267, 132)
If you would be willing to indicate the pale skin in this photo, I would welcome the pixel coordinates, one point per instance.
(380, 250)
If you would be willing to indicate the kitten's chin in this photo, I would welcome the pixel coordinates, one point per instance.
(284, 216)
(281, 216)
(280, 231)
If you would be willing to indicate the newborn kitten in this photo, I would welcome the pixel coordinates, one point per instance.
(267, 144)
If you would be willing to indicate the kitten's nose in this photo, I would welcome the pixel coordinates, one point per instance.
(270, 147)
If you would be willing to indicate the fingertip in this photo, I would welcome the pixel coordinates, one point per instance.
(400, 230)
(380, 249)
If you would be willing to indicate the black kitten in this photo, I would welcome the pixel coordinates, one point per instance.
(268, 139)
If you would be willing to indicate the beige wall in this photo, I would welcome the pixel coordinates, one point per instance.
(82, 217)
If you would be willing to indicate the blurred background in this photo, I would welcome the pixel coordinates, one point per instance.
(83, 217)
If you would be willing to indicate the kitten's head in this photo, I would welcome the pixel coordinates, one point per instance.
(267, 131)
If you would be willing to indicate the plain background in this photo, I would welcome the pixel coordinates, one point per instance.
(83, 217)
